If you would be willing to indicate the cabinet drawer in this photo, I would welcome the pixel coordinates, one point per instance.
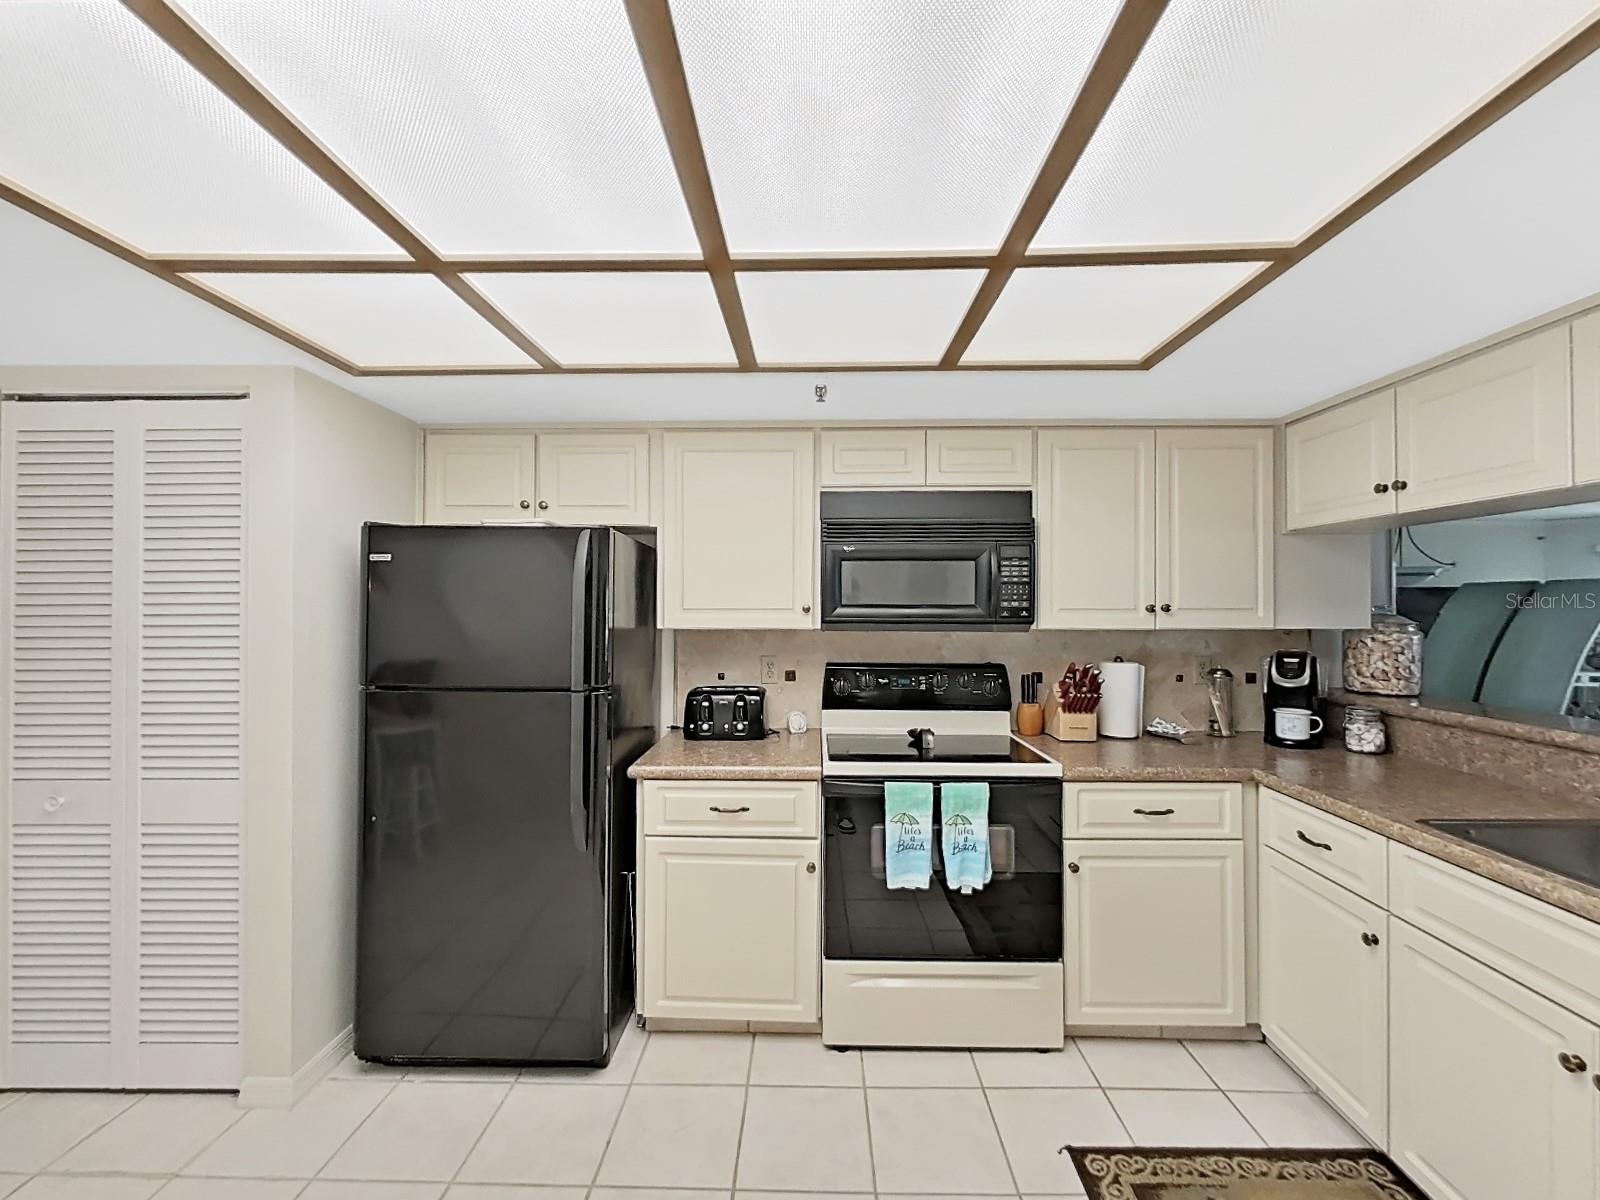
(1335, 849)
(1155, 810)
(1552, 951)
(781, 808)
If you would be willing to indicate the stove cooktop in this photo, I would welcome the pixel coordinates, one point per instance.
(952, 748)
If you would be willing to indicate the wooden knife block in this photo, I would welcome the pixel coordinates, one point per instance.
(1068, 726)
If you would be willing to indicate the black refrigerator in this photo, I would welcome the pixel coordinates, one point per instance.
(509, 681)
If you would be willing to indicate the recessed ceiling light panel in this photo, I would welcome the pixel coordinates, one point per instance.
(1254, 120)
(1098, 314)
(854, 316)
(616, 318)
(494, 127)
(374, 320)
(102, 119)
(864, 125)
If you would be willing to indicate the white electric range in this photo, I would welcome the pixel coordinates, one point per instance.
(935, 967)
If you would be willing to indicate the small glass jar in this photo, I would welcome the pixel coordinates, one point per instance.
(1385, 660)
(1364, 731)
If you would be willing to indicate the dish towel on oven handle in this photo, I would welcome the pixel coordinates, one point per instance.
(907, 833)
(964, 813)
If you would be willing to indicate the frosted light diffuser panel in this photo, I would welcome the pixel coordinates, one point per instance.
(374, 320)
(862, 125)
(605, 317)
(492, 126)
(854, 316)
(1098, 314)
(103, 119)
(1253, 120)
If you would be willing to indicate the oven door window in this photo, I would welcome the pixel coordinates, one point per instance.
(909, 581)
(1015, 918)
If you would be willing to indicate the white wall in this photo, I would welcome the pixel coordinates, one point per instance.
(1485, 551)
(353, 462)
(1572, 548)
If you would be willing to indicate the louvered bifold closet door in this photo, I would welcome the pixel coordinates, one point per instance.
(189, 734)
(66, 667)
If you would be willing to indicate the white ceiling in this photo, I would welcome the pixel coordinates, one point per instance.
(1500, 232)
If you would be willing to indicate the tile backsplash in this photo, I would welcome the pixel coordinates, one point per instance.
(701, 654)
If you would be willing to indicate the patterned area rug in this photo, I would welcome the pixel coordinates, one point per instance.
(1168, 1174)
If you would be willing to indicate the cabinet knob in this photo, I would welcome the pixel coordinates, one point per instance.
(1073, 867)
(1369, 939)
(805, 608)
(1573, 1064)
(1149, 608)
(543, 504)
(522, 504)
(811, 868)
(1399, 485)
(1380, 488)
(1166, 608)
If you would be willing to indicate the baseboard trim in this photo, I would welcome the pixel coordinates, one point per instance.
(285, 1091)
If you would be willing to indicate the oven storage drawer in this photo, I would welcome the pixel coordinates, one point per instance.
(726, 808)
(992, 1006)
(1155, 810)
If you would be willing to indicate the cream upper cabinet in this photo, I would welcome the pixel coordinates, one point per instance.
(1096, 552)
(866, 458)
(729, 929)
(472, 477)
(1496, 424)
(1325, 988)
(594, 478)
(980, 458)
(1339, 463)
(1586, 399)
(1155, 933)
(1492, 1087)
(1214, 528)
(738, 530)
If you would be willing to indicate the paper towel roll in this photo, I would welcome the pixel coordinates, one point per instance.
(1121, 699)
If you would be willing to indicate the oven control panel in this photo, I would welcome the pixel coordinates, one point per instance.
(969, 686)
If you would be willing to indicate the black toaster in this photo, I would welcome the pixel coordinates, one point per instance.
(733, 712)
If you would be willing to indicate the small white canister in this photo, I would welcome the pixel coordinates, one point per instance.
(1364, 731)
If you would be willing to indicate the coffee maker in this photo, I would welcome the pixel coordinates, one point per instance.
(1291, 701)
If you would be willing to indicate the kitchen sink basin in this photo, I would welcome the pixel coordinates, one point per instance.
(1570, 848)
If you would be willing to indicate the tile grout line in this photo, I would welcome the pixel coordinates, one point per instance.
(456, 1174)
(1105, 1092)
(744, 1113)
(359, 1126)
(627, 1091)
(866, 1106)
(126, 1108)
(238, 1115)
(994, 1121)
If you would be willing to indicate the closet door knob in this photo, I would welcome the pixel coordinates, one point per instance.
(1573, 1064)
(1380, 488)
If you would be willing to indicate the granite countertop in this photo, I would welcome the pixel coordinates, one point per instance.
(1388, 794)
(782, 756)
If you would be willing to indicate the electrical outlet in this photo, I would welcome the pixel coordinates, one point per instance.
(769, 668)
(1201, 666)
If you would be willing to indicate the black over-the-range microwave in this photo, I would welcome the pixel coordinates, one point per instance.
(927, 560)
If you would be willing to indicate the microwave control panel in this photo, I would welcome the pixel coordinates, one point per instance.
(1016, 583)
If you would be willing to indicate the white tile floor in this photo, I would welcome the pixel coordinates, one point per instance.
(676, 1116)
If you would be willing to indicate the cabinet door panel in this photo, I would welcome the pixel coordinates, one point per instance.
(977, 458)
(1214, 528)
(1325, 988)
(730, 929)
(1096, 528)
(739, 530)
(1496, 424)
(1481, 1108)
(478, 477)
(873, 458)
(1334, 461)
(1586, 399)
(594, 478)
(1155, 933)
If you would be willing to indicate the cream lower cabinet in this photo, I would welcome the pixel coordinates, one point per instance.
(738, 530)
(1155, 933)
(730, 929)
(1483, 1103)
(1325, 988)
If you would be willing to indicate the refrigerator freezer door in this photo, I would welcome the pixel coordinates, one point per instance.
(491, 606)
(489, 879)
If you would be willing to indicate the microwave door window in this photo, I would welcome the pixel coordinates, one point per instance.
(908, 583)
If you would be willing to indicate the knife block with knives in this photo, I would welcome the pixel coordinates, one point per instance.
(1071, 705)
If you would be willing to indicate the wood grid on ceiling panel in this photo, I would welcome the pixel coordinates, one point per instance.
(653, 31)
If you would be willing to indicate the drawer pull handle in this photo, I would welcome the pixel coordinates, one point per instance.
(741, 809)
(1155, 812)
(1572, 1063)
(1301, 834)
(1369, 939)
